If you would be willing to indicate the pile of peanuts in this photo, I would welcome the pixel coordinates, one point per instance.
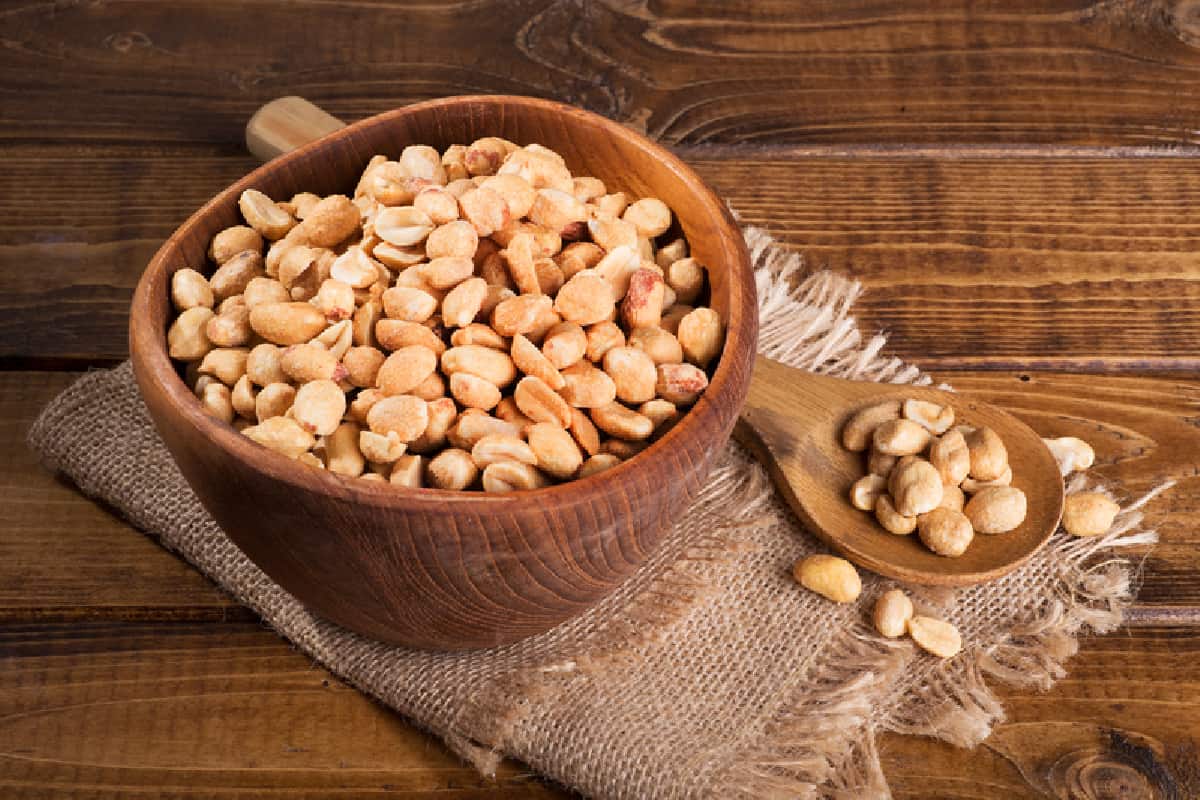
(909, 493)
(476, 318)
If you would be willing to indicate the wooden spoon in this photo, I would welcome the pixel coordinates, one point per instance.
(792, 421)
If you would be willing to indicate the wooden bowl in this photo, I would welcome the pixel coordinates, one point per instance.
(429, 568)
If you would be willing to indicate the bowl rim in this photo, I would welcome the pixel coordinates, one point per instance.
(149, 353)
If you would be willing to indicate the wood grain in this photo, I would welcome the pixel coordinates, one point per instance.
(828, 71)
(1080, 262)
(222, 710)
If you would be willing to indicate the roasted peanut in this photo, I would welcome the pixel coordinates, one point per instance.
(932, 417)
(891, 519)
(408, 472)
(952, 498)
(396, 334)
(866, 491)
(999, 509)
(617, 267)
(680, 384)
(564, 344)
(264, 290)
(479, 334)
(273, 400)
(362, 365)
(686, 278)
(403, 226)
(473, 392)
(587, 387)
(243, 397)
(586, 299)
(484, 362)
(598, 463)
(829, 576)
(452, 469)
(1071, 454)
(915, 486)
(622, 449)
(407, 303)
(462, 304)
(287, 323)
(661, 346)
(403, 414)
(494, 448)
(583, 430)
(891, 613)
(1089, 514)
(319, 406)
(900, 437)
(541, 403)
(858, 431)
(971, 485)
(701, 336)
(659, 411)
(935, 636)
(430, 389)
(950, 457)
(989, 458)
(282, 435)
(405, 369)
(555, 449)
(263, 215)
(217, 401)
(442, 414)
(511, 476)
(621, 422)
(231, 241)
(530, 360)
(187, 339)
(945, 531)
(343, 455)
(484, 209)
(473, 426)
(643, 303)
(190, 289)
(519, 314)
(633, 373)
(226, 364)
(602, 337)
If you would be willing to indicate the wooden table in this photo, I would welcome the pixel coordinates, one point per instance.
(1017, 184)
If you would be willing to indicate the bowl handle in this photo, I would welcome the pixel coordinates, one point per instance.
(284, 124)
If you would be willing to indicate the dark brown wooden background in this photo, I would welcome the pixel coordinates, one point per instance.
(1017, 183)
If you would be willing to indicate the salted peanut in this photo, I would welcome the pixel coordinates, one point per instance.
(934, 418)
(437, 204)
(461, 186)
(442, 414)
(492, 365)
(564, 344)
(404, 369)
(264, 365)
(362, 404)
(308, 362)
(650, 216)
(394, 334)
(577, 257)
(1071, 454)
(331, 221)
(973, 486)
(243, 396)
(633, 372)
(621, 422)
(681, 384)
(557, 210)
(891, 519)
(952, 498)
(602, 337)
(494, 448)
(451, 469)
(546, 320)
(550, 278)
(424, 162)
(584, 431)
(287, 323)
(397, 258)
(660, 346)
(555, 449)
(611, 205)
(935, 636)
(232, 277)
(485, 210)
(390, 184)
(226, 364)
(380, 449)
(610, 232)
(511, 476)
(493, 269)
(404, 414)
(403, 226)
(587, 387)
(474, 392)
(264, 216)
(999, 509)
(900, 437)
(643, 303)
(891, 613)
(303, 203)
(1089, 514)
(373, 477)
(519, 314)
(230, 328)
(915, 486)
(866, 491)
(364, 321)
(446, 272)
(519, 256)
(829, 576)
(264, 290)
(472, 425)
(353, 267)
(454, 161)
(190, 289)
(701, 336)
(659, 411)
(945, 531)
(229, 304)
(518, 195)
(988, 455)
(479, 334)
(531, 361)
(430, 389)
(307, 459)
(342, 452)
(337, 339)
(541, 403)
(407, 303)
(217, 402)
(586, 299)
(668, 254)
(668, 298)
(187, 339)
(455, 239)
(950, 457)
(231, 241)
(299, 271)
(273, 400)
(540, 167)
(319, 406)
(408, 472)
(282, 435)
(484, 156)
(880, 463)
(585, 189)
(858, 431)
(617, 267)
(622, 449)
(462, 303)
(507, 410)
(598, 463)
(673, 316)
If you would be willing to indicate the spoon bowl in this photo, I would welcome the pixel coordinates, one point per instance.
(792, 422)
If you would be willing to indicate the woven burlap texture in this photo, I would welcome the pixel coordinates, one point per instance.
(710, 673)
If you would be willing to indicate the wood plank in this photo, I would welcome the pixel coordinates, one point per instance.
(219, 710)
(65, 558)
(1081, 262)
(827, 71)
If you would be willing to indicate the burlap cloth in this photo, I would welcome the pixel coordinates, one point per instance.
(710, 673)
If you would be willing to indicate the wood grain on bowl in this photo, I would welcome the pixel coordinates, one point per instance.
(442, 569)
